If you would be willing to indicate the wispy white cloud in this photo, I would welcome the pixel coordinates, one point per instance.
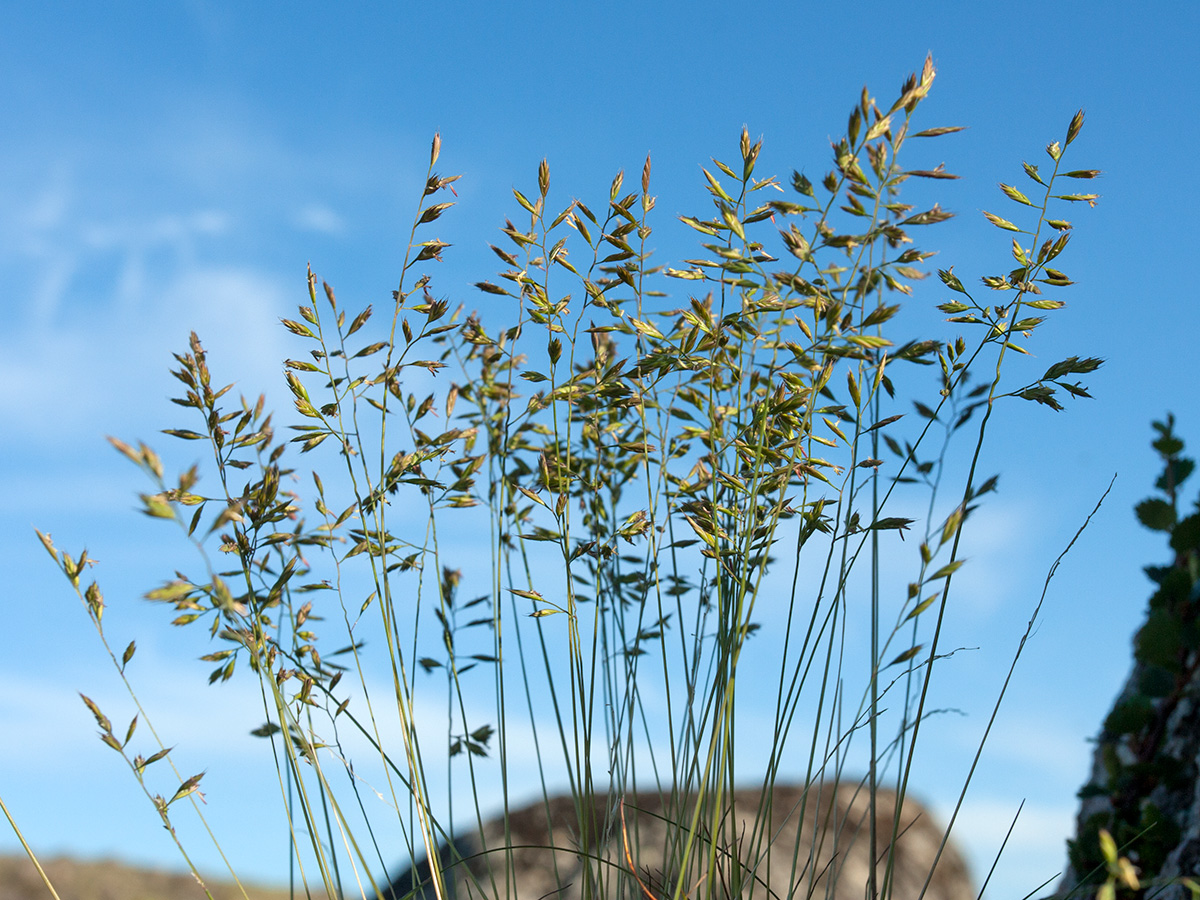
(40, 721)
(94, 369)
(995, 534)
(319, 218)
(49, 725)
(39, 237)
(48, 208)
(1033, 740)
(1035, 852)
(169, 229)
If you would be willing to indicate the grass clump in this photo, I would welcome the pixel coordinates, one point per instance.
(579, 509)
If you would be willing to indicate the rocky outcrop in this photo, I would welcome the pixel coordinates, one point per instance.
(544, 859)
(75, 879)
(1144, 788)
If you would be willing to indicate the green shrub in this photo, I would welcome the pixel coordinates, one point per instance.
(1134, 739)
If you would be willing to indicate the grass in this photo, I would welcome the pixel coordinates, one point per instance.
(578, 511)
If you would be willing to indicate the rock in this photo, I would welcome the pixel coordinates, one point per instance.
(1143, 787)
(545, 859)
(75, 879)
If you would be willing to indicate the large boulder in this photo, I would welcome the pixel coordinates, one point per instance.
(541, 856)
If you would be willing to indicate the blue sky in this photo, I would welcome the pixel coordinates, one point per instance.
(171, 167)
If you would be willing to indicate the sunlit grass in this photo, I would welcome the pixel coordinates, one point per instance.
(645, 462)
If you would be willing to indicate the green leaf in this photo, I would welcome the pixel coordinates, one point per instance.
(359, 321)
(714, 186)
(948, 569)
(702, 227)
(1041, 394)
(704, 535)
(999, 222)
(1156, 514)
(1075, 126)
(188, 787)
(878, 129)
(432, 212)
(297, 328)
(953, 521)
(170, 592)
(532, 496)
(802, 185)
(488, 288)
(922, 606)
(529, 207)
(891, 523)
(1055, 278)
(1013, 194)
(101, 719)
(939, 172)
(1032, 172)
(1072, 365)
(1175, 473)
(951, 280)
(941, 129)
(156, 506)
(370, 349)
(528, 595)
(733, 223)
(871, 341)
(690, 274)
(888, 421)
(879, 315)
(645, 328)
(852, 386)
(906, 655)
(724, 168)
